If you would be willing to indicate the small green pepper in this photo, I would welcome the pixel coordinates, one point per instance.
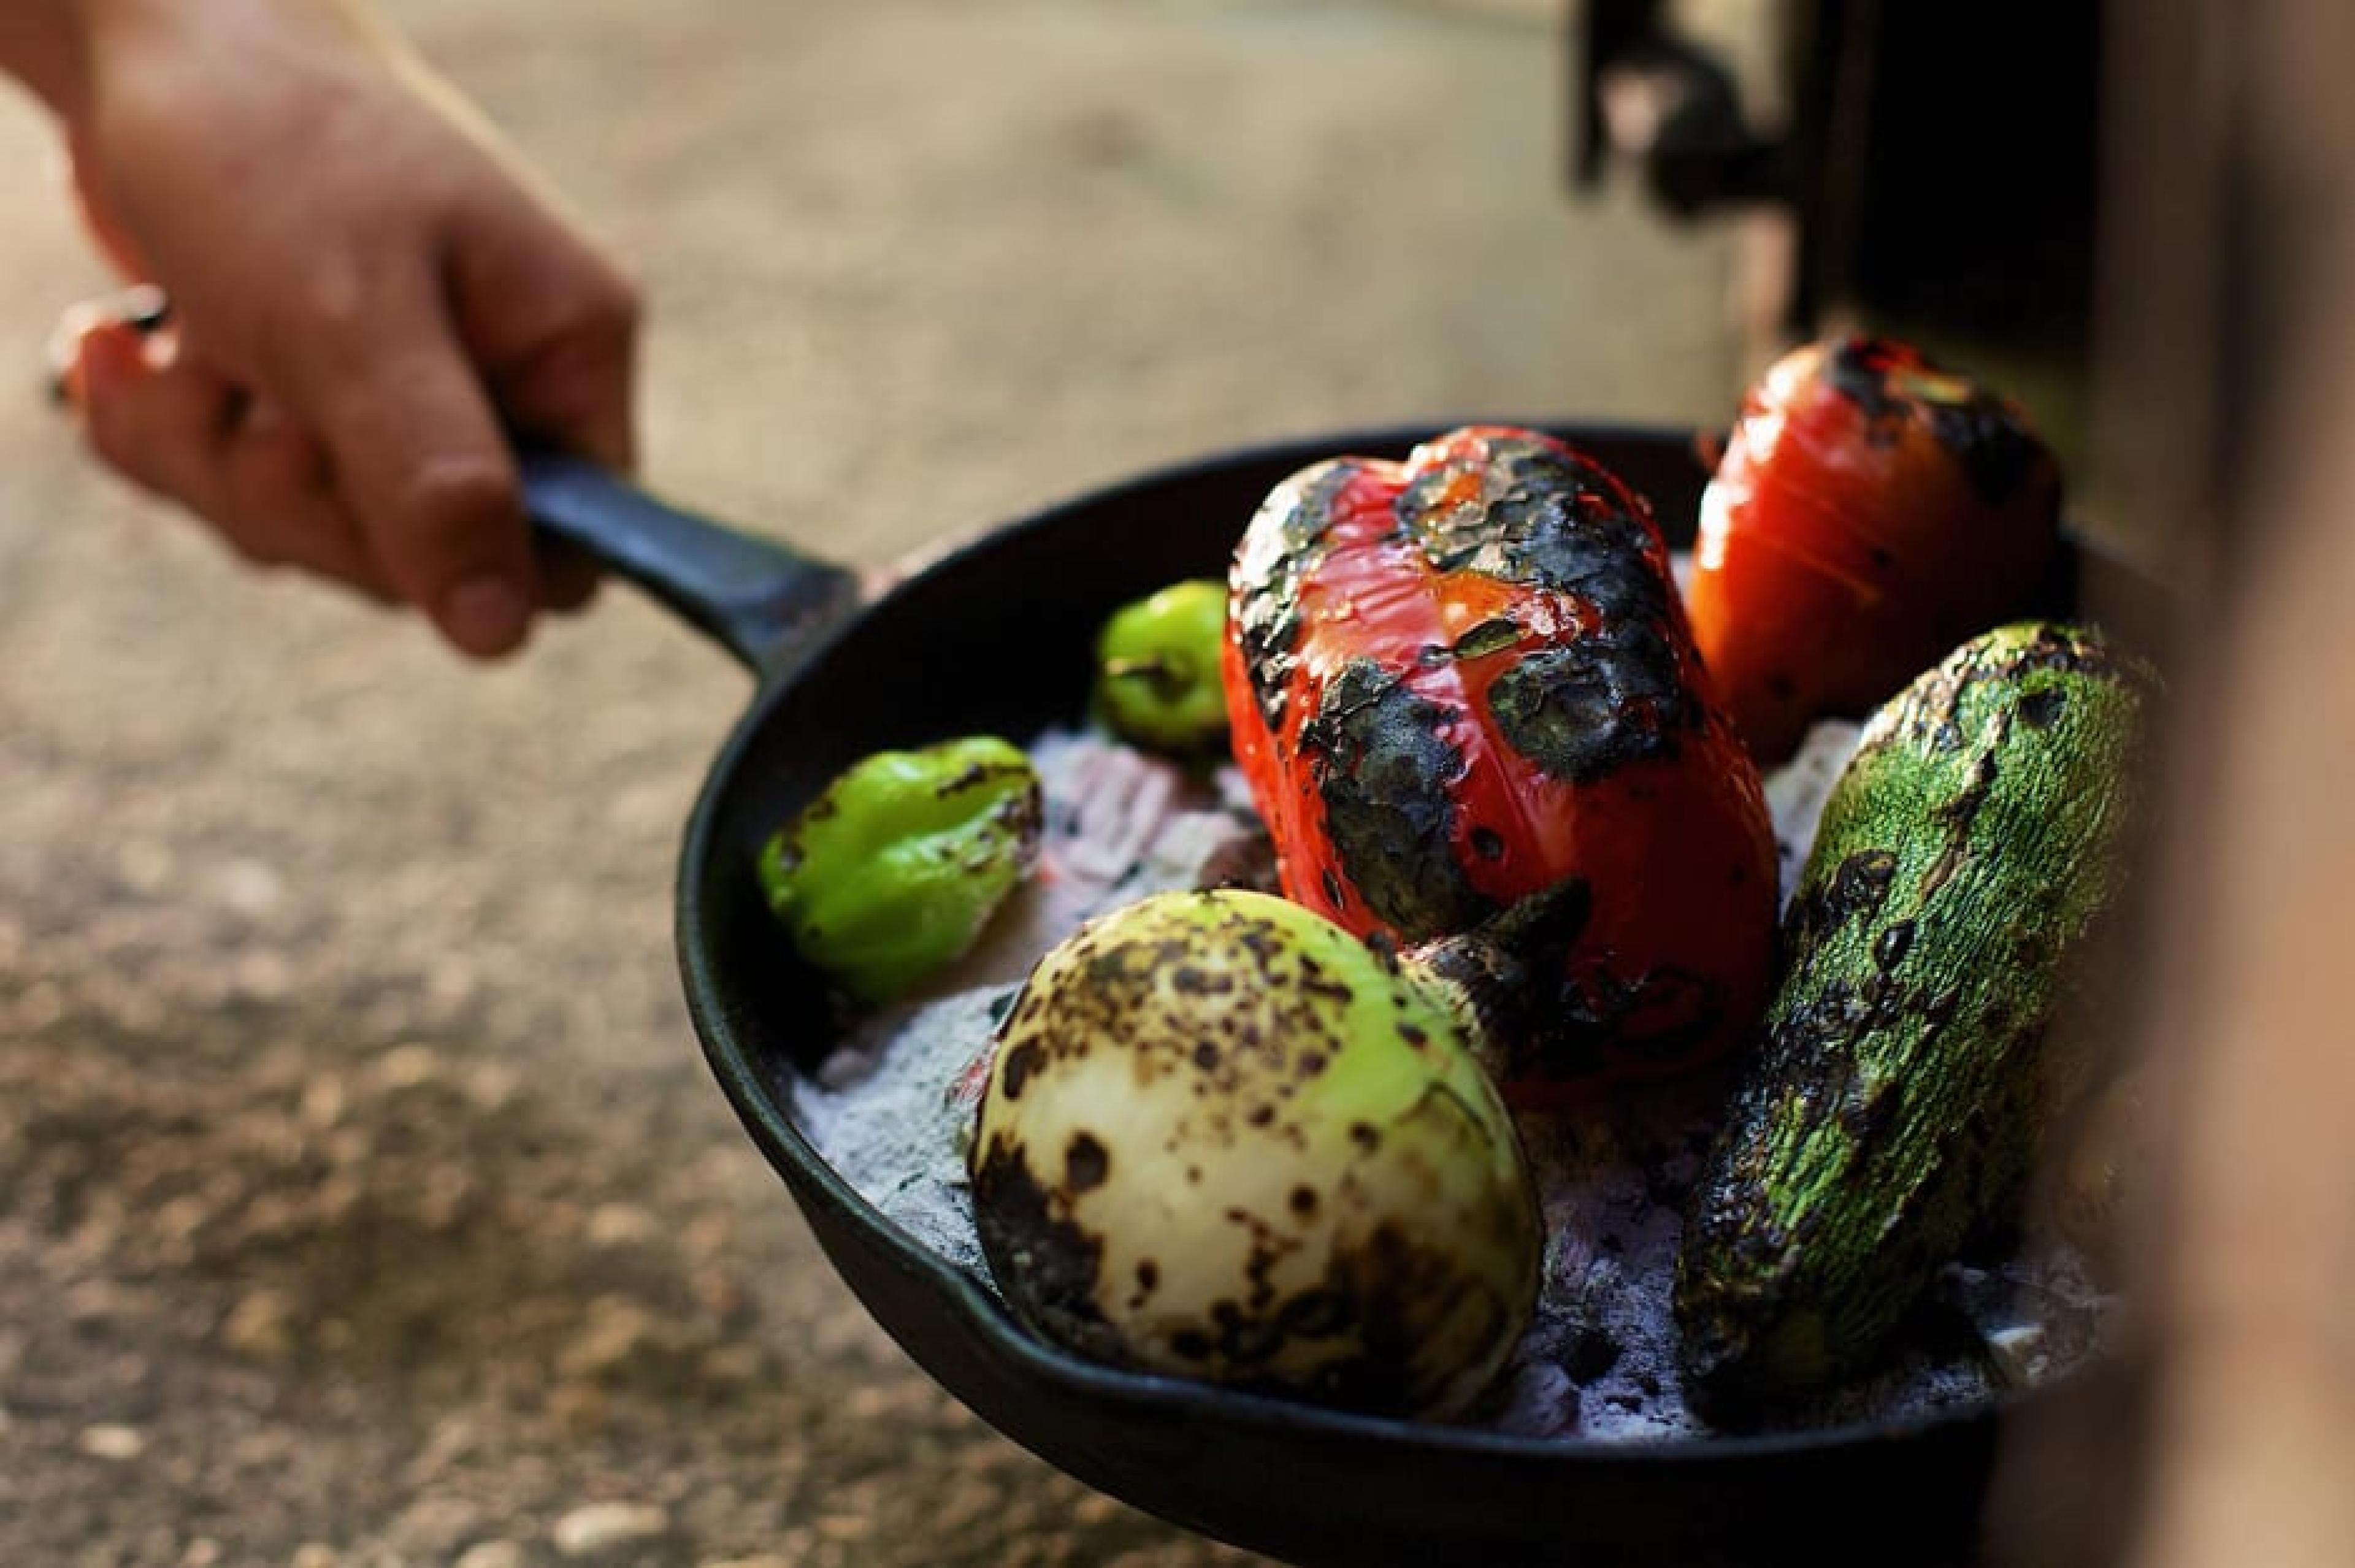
(891, 873)
(1158, 669)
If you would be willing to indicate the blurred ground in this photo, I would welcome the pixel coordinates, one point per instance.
(363, 1198)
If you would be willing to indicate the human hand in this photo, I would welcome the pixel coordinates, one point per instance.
(367, 295)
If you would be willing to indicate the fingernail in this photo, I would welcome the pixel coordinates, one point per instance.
(100, 357)
(138, 312)
(110, 351)
(143, 308)
(485, 615)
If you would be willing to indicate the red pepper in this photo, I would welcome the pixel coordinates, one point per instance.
(1464, 679)
(1871, 513)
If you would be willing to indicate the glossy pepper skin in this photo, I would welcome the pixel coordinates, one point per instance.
(1157, 682)
(891, 873)
(1464, 679)
(1873, 510)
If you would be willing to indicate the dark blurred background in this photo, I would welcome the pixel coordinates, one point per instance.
(1933, 172)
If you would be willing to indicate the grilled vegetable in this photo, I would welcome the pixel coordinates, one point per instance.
(1872, 511)
(893, 871)
(1224, 1139)
(1464, 679)
(1158, 669)
(1908, 1073)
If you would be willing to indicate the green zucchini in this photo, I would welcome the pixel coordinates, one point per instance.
(1905, 1075)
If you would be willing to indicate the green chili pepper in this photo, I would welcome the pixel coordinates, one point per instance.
(1158, 669)
(891, 873)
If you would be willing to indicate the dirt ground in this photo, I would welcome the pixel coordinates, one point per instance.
(363, 1198)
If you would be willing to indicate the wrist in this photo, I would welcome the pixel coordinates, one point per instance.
(66, 51)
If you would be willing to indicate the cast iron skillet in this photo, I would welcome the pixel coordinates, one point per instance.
(995, 636)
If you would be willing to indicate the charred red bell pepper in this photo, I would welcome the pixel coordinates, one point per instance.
(1871, 512)
(1464, 679)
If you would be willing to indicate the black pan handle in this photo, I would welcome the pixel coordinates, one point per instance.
(758, 598)
(762, 601)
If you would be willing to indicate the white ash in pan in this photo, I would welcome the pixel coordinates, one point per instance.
(891, 1110)
(1796, 791)
(1600, 1359)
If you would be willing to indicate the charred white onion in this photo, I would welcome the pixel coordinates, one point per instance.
(1224, 1139)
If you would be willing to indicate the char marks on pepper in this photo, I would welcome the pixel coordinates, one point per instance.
(1614, 693)
(1986, 433)
(1385, 768)
(1545, 516)
(1475, 637)
(1581, 710)
(1292, 529)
